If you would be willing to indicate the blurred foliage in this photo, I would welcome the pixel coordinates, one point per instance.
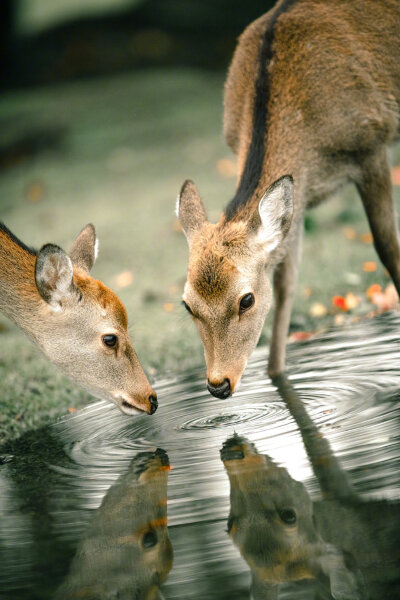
(198, 33)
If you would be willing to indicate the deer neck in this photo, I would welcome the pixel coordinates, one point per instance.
(19, 298)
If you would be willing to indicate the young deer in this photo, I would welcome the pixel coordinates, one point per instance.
(77, 322)
(311, 102)
(126, 551)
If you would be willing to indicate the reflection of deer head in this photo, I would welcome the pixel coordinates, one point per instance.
(271, 522)
(126, 552)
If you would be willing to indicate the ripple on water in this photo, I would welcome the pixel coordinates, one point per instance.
(348, 382)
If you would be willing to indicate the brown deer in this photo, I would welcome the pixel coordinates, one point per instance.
(341, 541)
(126, 551)
(311, 102)
(272, 522)
(77, 322)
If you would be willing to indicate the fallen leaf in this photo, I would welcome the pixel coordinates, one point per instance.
(123, 279)
(385, 300)
(366, 238)
(301, 336)
(318, 309)
(226, 167)
(349, 232)
(346, 303)
(352, 301)
(307, 292)
(169, 306)
(339, 302)
(369, 266)
(375, 288)
(339, 319)
(71, 409)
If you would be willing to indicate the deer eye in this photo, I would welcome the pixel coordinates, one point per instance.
(288, 516)
(109, 340)
(149, 539)
(187, 308)
(246, 302)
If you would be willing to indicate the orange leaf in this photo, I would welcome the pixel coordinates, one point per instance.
(369, 266)
(123, 279)
(375, 288)
(71, 409)
(349, 232)
(300, 336)
(366, 238)
(169, 306)
(386, 300)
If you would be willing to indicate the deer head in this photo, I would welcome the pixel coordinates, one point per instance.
(228, 292)
(126, 551)
(81, 326)
(271, 522)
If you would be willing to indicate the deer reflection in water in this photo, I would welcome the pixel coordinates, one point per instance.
(126, 551)
(348, 547)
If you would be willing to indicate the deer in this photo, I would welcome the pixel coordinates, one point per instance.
(126, 551)
(78, 323)
(311, 103)
(339, 544)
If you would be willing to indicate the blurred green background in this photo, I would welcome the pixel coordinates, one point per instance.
(106, 107)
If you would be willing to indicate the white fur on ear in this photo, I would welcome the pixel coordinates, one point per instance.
(275, 210)
(178, 199)
(96, 249)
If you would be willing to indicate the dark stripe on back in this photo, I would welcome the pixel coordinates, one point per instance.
(255, 157)
(14, 238)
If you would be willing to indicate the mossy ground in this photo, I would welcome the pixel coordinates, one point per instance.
(119, 150)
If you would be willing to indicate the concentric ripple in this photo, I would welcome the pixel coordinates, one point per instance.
(347, 381)
(227, 418)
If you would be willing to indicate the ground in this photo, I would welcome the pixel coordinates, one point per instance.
(115, 151)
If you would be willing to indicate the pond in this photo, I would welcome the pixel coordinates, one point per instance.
(284, 491)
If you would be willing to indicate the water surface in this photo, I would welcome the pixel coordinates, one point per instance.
(304, 475)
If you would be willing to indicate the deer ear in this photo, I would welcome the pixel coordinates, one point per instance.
(53, 275)
(84, 250)
(275, 212)
(344, 583)
(190, 209)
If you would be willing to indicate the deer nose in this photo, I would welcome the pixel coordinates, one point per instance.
(153, 404)
(220, 390)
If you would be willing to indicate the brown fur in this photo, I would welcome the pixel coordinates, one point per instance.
(211, 266)
(96, 292)
(66, 313)
(332, 109)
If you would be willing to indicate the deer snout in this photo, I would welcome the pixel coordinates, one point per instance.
(131, 405)
(220, 390)
(153, 403)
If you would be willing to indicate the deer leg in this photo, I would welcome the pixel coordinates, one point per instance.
(285, 280)
(376, 193)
